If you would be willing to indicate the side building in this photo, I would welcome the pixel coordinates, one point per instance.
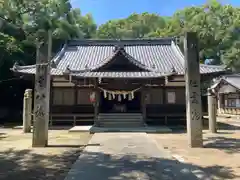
(227, 89)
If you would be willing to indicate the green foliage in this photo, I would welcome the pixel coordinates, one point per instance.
(26, 22)
(217, 25)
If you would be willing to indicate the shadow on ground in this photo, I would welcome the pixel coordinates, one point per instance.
(69, 145)
(25, 164)
(227, 126)
(229, 145)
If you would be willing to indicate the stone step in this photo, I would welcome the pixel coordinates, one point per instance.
(121, 117)
(121, 114)
(120, 124)
(112, 117)
(120, 120)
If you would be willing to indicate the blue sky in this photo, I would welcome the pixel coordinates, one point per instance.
(104, 10)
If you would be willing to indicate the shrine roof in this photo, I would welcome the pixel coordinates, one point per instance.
(153, 55)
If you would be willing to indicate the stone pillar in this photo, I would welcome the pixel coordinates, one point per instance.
(40, 124)
(212, 111)
(27, 111)
(193, 93)
(42, 97)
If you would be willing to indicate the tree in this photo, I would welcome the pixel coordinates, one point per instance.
(26, 22)
(217, 25)
(134, 26)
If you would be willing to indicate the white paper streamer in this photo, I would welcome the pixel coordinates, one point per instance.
(119, 97)
(105, 93)
(112, 94)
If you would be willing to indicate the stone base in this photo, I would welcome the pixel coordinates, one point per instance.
(147, 129)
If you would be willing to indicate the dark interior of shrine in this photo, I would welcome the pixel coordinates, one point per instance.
(120, 106)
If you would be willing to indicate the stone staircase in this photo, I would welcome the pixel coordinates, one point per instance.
(120, 120)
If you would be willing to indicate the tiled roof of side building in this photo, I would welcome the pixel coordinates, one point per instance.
(232, 79)
(157, 55)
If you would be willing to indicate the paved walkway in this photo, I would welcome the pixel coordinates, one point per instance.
(126, 156)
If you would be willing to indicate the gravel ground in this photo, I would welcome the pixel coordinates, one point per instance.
(18, 160)
(220, 157)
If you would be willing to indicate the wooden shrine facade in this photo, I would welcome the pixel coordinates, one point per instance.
(107, 76)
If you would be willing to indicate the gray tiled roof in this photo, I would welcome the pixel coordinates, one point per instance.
(156, 55)
(122, 74)
(32, 70)
(233, 80)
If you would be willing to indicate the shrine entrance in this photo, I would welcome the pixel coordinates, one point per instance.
(120, 103)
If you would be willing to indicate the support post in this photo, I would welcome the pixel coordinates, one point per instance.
(193, 96)
(27, 111)
(218, 103)
(96, 105)
(212, 112)
(144, 110)
(42, 97)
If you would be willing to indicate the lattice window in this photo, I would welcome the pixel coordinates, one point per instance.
(171, 97)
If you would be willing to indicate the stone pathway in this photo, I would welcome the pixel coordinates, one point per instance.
(126, 156)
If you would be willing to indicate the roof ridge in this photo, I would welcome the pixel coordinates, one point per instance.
(126, 42)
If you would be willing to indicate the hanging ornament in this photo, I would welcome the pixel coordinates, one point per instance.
(112, 94)
(129, 97)
(132, 94)
(124, 95)
(93, 97)
(109, 96)
(105, 94)
(119, 97)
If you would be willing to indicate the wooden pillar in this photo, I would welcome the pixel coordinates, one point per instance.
(144, 99)
(27, 111)
(212, 111)
(218, 103)
(164, 102)
(51, 101)
(96, 106)
(221, 101)
(193, 93)
(96, 103)
(75, 103)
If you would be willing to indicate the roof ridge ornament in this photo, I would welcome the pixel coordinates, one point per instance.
(87, 69)
(118, 47)
(153, 66)
(173, 70)
(67, 70)
(16, 66)
(53, 64)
